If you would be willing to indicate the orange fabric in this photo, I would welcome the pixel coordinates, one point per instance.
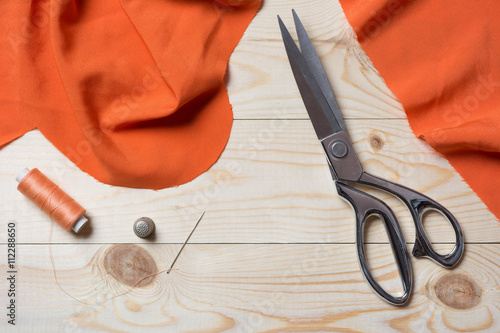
(441, 59)
(131, 91)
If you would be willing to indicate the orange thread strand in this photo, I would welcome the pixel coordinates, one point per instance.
(98, 303)
(50, 198)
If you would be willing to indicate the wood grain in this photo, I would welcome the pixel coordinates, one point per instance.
(275, 250)
(360, 91)
(260, 63)
(248, 288)
(274, 189)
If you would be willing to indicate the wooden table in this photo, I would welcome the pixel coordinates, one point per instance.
(275, 251)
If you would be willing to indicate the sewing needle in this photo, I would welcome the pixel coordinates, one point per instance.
(182, 248)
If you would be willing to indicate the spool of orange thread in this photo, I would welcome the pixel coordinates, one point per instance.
(53, 201)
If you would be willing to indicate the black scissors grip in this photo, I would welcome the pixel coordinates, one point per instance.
(418, 204)
(364, 206)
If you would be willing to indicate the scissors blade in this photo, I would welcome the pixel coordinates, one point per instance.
(317, 69)
(322, 118)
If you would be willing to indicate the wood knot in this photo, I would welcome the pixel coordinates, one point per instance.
(458, 291)
(130, 264)
(376, 142)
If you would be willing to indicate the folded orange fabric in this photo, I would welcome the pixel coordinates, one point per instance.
(440, 58)
(131, 91)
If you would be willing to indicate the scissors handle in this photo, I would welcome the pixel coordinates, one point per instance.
(364, 206)
(418, 204)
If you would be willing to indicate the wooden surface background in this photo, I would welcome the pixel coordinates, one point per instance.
(275, 251)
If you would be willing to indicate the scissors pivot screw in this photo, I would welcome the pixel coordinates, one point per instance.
(339, 149)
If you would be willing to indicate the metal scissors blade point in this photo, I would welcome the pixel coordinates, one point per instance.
(323, 119)
(312, 59)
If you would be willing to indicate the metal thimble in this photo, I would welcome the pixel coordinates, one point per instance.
(144, 227)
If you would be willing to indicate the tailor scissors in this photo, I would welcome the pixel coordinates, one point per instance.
(346, 168)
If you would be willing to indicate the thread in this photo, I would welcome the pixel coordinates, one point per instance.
(131, 288)
(51, 199)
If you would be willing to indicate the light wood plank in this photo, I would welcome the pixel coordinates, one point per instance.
(250, 288)
(322, 18)
(261, 84)
(272, 184)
